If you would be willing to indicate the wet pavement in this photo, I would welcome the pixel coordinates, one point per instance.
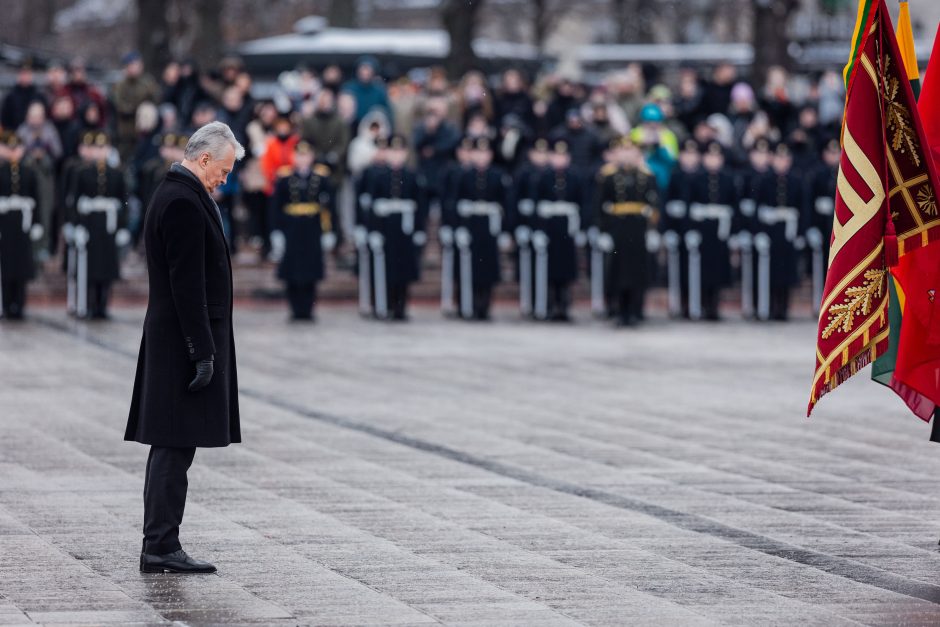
(500, 473)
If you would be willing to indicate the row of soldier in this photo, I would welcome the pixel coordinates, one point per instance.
(94, 227)
(542, 215)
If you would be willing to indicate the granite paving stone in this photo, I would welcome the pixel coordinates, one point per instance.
(505, 473)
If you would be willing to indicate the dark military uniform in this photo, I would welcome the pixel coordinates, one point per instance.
(19, 227)
(713, 204)
(822, 192)
(304, 210)
(450, 176)
(745, 224)
(627, 202)
(781, 207)
(561, 210)
(99, 215)
(673, 225)
(396, 223)
(521, 220)
(480, 221)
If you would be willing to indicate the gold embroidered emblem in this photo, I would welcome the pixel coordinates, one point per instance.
(858, 302)
(926, 201)
(898, 117)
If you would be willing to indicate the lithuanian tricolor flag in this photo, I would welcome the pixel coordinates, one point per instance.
(885, 207)
(883, 370)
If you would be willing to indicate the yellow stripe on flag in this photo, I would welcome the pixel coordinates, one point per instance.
(906, 42)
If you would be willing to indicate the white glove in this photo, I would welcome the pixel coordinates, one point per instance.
(504, 241)
(122, 237)
(580, 239)
(592, 233)
(35, 232)
(420, 238)
(328, 240)
(446, 236)
(278, 245)
(799, 243)
(360, 236)
(605, 242)
(523, 235)
(68, 233)
(653, 241)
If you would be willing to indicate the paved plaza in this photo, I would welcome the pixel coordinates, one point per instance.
(502, 473)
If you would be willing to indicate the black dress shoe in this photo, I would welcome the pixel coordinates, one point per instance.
(176, 562)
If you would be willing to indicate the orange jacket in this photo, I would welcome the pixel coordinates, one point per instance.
(277, 160)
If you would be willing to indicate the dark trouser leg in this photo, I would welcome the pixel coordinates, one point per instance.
(98, 294)
(637, 300)
(710, 298)
(779, 303)
(560, 301)
(300, 296)
(14, 299)
(165, 497)
(398, 301)
(482, 294)
(624, 306)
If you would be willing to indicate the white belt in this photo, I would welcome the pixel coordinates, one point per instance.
(23, 204)
(384, 207)
(824, 206)
(95, 204)
(561, 208)
(775, 215)
(492, 210)
(699, 212)
(675, 209)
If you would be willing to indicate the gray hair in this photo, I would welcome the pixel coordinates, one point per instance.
(212, 139)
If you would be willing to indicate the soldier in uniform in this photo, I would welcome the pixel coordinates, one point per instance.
(745, 222)
(713, 203)
(451, 175)
(674, 224)
(822, 188)
(521, 216)
(627, 203)
(98, 218)
(480, 229)
(781, 203)
(396, 224)
(560, 211)
(305, 225)
(20, 226)
(363, 206)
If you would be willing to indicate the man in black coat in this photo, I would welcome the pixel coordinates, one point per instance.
(186, 390)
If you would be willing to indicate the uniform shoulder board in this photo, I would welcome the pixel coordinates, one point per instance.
(284, 170)
(321, 169)
(608, 169)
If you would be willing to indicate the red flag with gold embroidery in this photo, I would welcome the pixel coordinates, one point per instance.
(885, 203)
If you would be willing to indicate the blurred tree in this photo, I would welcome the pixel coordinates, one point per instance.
(460, 19)
(153, 34)
(208, 44)
(545, 17)
(770, 40)
(634, 19)
(343, 13)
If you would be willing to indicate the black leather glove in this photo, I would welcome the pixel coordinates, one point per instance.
(204, 370)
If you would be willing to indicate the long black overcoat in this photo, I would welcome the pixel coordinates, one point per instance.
(189, 318)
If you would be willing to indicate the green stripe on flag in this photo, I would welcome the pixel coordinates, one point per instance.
(882, 370)
(864, 9)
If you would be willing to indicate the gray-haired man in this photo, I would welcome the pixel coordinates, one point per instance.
(186, 389)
